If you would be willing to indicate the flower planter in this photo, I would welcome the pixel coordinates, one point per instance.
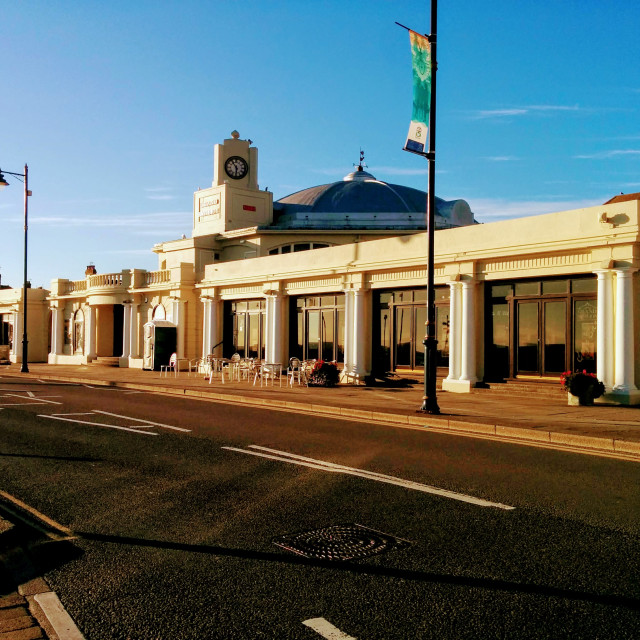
(585, 400)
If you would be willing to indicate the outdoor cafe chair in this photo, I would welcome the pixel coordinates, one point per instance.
(296, 372)
(172, 366)
(268, 372)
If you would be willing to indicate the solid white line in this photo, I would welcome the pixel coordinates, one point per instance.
(99, 424)
(283, 456)
(31, 397)
(146, 422)
(57, 615)
(326, 629)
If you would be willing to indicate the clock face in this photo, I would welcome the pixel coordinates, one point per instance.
(236, 167)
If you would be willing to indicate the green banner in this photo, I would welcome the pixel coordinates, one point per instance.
(419, 127)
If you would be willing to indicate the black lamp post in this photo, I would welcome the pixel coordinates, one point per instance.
(27, 193)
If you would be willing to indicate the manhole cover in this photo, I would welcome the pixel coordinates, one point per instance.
(340, 542)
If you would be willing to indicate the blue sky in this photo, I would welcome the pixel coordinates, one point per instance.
(116, 108)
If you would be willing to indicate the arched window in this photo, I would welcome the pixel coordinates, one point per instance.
(159, 313)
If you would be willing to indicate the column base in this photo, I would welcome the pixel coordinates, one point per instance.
(626, 397)
(458, 386)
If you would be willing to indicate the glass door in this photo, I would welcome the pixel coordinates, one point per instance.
(528, 338)
(555, 337)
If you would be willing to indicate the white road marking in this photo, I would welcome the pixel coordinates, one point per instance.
(283, 456)
(30, 396)
(326, 629)
(146, 422)
(63, 418)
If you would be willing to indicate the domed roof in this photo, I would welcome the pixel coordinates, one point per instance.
(362, 201)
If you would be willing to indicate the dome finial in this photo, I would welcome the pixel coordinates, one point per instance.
(362, 164)
(235, 135)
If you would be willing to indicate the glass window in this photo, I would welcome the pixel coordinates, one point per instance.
(443, 293)
(403, 296)
(340, 345)
(285, 249)
(501, 290)
(585, 314)
(584, 285)
(385, 298)
(419, 332)
(403, 336)
(555, 341)
(527, 288)
(328, 301)
(527, 336)
(442, 334)
(301, 246)
(554, 286)
(319, 245)
(328, 336)
(313, 334)
(420, 295)
(254, 304)
(273, 252)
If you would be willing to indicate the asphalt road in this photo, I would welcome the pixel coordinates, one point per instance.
(176, 504)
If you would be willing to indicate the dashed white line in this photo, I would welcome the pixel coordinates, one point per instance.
(283, 456)
(326, 629)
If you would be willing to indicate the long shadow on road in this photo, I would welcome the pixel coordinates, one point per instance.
(386, 572)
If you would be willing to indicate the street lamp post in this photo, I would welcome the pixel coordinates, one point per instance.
(25, 343)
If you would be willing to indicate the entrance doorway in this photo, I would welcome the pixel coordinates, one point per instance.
(540, 328)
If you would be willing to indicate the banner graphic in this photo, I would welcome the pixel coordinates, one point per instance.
(419, 127)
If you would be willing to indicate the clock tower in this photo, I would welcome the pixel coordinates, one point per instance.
(234, 200)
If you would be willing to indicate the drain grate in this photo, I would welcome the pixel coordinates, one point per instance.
(340, 542)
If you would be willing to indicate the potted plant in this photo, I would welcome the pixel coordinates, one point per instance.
(581, 385)
(324, 374)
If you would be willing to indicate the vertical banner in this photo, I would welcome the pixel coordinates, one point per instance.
(421, 57)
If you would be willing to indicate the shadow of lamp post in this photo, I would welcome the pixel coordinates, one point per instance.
(23, 177)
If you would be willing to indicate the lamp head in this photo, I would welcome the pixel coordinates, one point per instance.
(3, 182)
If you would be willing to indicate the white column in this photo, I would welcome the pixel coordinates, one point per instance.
(455, 329)
(57, 328)
(358, 362)
(134, 332)
(126, 330)
(624, 364)
(16, 347)
(268, 330)
(206, 321)
(278, 354)
(468, 341)
(90, 332)
(604, 333)
(179, 321)
(348, 330)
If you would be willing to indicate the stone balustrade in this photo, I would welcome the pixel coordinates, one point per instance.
(157, 277)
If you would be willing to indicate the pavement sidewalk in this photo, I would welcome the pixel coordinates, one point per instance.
(535, 413)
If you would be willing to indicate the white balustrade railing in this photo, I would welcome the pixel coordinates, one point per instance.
(157, 277)
(105, 280)
(75, 286)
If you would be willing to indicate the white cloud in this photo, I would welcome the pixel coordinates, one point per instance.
(161, 197)
(521, 111)
(500, 158)
(603, 155)
(166, 218)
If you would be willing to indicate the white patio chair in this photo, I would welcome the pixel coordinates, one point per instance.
(173, 365)
(296, 372)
